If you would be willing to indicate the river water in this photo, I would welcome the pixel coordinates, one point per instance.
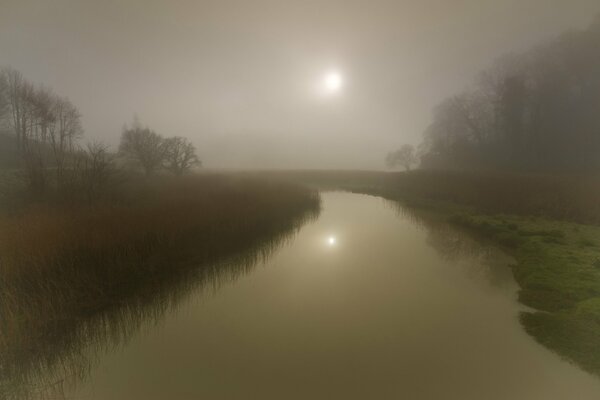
(368, 301)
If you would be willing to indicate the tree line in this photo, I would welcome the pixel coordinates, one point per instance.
(536, 111)
(47, 132)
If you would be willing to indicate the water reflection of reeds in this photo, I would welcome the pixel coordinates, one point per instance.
(45, 356)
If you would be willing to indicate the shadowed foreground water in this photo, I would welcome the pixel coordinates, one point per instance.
(367, 302)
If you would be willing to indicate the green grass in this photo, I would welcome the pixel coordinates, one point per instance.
(558, 271)
(557, 260)
(557, 268)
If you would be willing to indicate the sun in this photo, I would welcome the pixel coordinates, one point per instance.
(333, 82)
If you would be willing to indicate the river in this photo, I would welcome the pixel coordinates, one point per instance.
(368, 301)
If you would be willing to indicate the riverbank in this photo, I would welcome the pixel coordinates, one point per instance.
(549, 224)
(558, 271)
(557, 257)
(61, 265)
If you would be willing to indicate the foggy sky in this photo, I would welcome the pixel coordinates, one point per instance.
(238, 76)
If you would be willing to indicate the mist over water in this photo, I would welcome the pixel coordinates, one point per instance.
(61, 359)
(373, 313)
(317, 199)
(240, 78)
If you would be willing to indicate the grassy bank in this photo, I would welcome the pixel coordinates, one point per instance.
(549, 224)
(61, 265)
(558, 271)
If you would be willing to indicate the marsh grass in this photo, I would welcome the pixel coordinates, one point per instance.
(573, 198)
(61, 267)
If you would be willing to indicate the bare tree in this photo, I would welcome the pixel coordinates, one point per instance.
(41, 103)
(180, 155)
(61, 133)
(46, 127)
(143, 146)
(97, 169)
(532, 111)
(25, 111)
(3, 98)
(22, 120)
(405, 157)
(16, 89)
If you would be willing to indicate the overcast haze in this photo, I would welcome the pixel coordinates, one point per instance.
(239, 77)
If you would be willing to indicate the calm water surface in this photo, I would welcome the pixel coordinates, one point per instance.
(366, 302)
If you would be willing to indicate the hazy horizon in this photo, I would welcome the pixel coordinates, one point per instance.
(239, 78)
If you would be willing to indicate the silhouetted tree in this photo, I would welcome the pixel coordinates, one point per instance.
(45, 126)
(97, 169)
(405, 157)
(3, 98)
(180, 155)
(531, 111)
(143, 146)
(18, 91)
(63, 129)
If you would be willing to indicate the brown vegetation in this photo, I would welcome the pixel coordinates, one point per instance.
(566, 197)
(59, 266)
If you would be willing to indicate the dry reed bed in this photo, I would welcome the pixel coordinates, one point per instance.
(565, 197)
(58, 265)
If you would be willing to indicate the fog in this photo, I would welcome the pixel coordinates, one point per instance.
(241, 79)
(333, 199)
